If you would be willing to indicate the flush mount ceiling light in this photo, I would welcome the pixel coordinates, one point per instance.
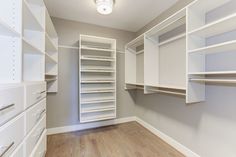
(104, 6)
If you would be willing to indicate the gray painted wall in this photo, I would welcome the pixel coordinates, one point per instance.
(207, 128)
(62, 107)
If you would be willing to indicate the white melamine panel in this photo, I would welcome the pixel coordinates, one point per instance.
(34, 114)
(172, 64)
(34, 136)
(11, 134)
(140, 68)
(95, 116)
(11, 102)
(34, 92)
(151, 64)
(10, 57)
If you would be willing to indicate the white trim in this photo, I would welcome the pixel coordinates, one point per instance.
(79, 127)
(181, 148)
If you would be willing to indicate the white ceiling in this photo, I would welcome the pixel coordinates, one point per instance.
(129, 15)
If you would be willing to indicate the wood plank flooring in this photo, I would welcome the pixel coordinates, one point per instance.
(124, 140)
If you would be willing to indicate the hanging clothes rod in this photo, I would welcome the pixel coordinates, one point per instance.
(77, 48)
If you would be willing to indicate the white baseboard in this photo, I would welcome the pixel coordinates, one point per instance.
(181, 148)
(71, 128)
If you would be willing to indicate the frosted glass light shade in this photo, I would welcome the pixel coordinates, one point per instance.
(104, 6)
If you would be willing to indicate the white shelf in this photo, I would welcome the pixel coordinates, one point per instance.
(168, 92)
(29, 47)
(223, 25)
(97, 118)
(98, 109)
(172, 39)
(98, 91)
(50, 45)
(97, 71)
(50, 80)
(222, 47)
(49, 59)
(97, 58)
(168, 87)
(96, 49)
(213, 73)
(50, 75)
(213, 80)
(6, 30)
(98, 101)
(97, 81)
(135, 84)
(139, 52)
(30, 20)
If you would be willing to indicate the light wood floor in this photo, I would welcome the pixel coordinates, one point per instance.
(124, 140)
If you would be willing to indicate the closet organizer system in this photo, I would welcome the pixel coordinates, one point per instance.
(185, 51)
(97, 78)
(28, 43)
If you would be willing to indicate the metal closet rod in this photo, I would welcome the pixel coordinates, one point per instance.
(76, 48)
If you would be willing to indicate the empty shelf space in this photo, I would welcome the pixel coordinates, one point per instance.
(29, 47)
(168, 87)
(7, 30)
(213, 80)
(49, 59)
(97, 118)
(97, 58)
(50, 45)
(223, 25)
(98, 91)
(213, 73)
(97, 109)
(30, 20)
(97, 101)
(222, 47)
(96, 49)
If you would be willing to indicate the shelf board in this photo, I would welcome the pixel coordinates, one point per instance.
(98, 101)
(222, 47)
(50, 80)
(29, 48)
(50, 45)
(7, 30)
(223, 25)
(213, 80)
(96, 49)
(97, 58)
(167, 87)
(98, 109)
(98, 91)
(50, 75)
(98, 118)
(139, 52)
(97, 81)
(97, 71)
(214, 73)
(135, 84)
(32, 22)
(168, 92)
(172, 39)
(49, 59)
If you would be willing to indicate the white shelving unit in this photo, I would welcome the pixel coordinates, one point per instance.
(134, 61)
(51, 56)
(210, 50)
(97, 78)
(185, 51)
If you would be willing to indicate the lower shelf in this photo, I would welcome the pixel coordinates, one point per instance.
(97, 109)
(97, 118)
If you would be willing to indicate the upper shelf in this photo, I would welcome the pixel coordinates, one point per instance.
(222, 47)
(214, 73)
(6, 30)
(30, 48)
(223, 25)
(96, 49)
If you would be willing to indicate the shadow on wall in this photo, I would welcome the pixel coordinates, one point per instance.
(220, 103)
